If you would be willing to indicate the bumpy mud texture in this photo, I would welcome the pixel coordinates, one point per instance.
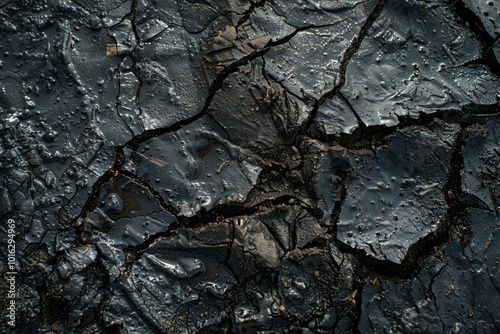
(243, 166)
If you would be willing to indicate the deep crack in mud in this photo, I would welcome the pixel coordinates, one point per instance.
(250, 166)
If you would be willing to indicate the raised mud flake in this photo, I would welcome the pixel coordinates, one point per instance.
(395, 195)
(480, 176)
(242, 108)
(195, 165)
(292, 226)
(227, 50)
(128, 215)
(228, 45)
(197, 16)
(400, 70)
(456, 295)
(263, 21)
(313, 72)
(308, 231)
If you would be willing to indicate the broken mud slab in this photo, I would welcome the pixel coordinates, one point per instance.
(198, 268)
(259, 115)
(456, 294)
(196, 167)
(250, 166)
(390, 198)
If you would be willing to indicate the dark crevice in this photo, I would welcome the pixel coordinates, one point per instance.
(474, 23)
(134, 143)
(433, 296)
(97, 187)
(346, 58)
(361, 124)
(287, 38)
(133, 253)
(117, 103)
(420, 252)
(456, 213)
(230, 210)
(6, 4)
(249, 12)
(374, 136)
(168, 208)
(202, 218)
(133, 12)
(214, 87)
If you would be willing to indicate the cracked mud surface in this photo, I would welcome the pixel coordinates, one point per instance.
(244, 166)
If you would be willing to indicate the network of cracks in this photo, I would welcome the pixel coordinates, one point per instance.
(242, 166)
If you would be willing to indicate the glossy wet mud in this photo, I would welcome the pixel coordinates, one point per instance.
(251, 166)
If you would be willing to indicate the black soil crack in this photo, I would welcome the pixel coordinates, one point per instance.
(374, 136)
(361, 124)
(433, 296)
(287, 38)
(135, 142)
(110, 174)
(346, 58)
(214, 87)
(420, 252)
(249, 12)
(168, 208)
(474, 23)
